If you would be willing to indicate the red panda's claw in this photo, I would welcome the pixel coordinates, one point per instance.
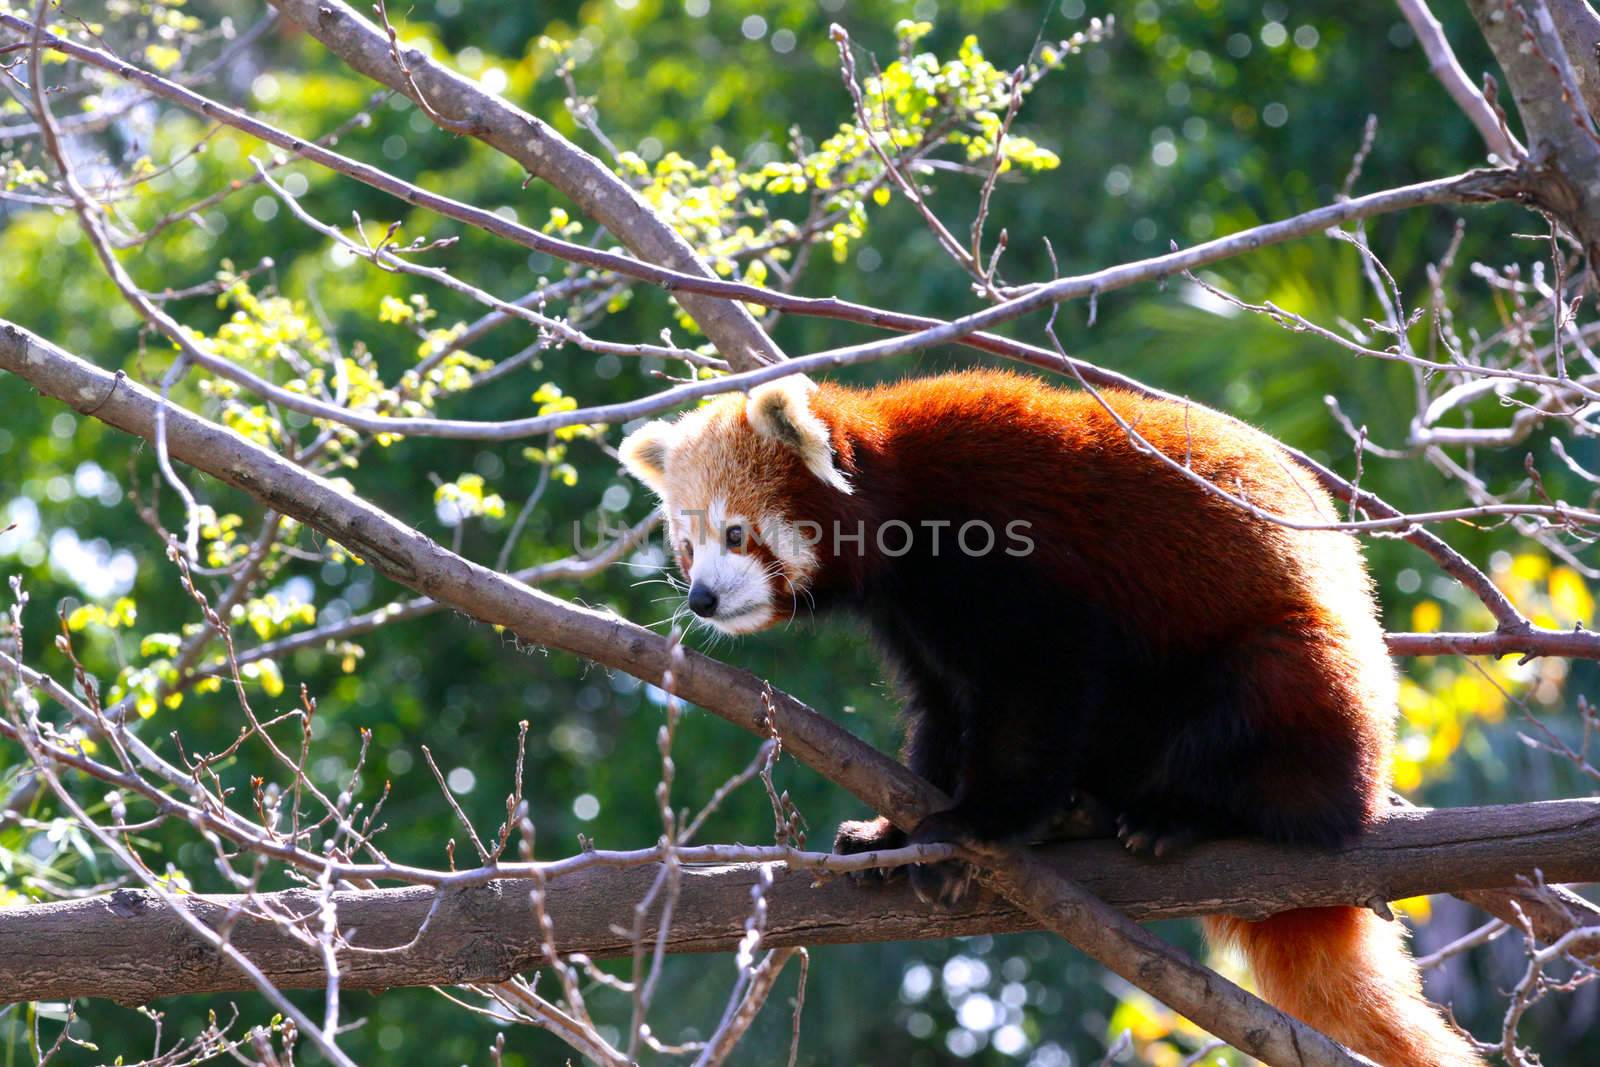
(941, 885)
(1150, 840)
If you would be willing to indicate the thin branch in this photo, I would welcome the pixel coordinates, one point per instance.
(1481, 936)
(733, 1028)
(947, 240)
(1444, 65)
(572, 568)
(383, 256)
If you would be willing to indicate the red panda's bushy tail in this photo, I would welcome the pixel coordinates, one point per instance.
(1347, 973)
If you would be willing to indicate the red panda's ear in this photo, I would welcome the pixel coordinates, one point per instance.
(644, 454)
(781, 410)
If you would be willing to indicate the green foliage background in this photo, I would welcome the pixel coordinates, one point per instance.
(1262, 106)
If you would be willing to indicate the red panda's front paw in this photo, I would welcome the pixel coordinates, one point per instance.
(869, 835)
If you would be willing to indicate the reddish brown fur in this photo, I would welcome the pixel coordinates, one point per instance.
(1098, 502)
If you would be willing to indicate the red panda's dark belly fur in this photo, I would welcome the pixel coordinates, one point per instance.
(1191, 666)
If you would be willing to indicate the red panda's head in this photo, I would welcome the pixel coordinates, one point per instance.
(734, 478)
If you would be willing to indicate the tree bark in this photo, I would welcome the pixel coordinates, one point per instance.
(128, 946)
(1579, 28)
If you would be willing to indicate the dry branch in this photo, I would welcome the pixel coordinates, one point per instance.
(1578, 643)
(1442, 61)
(130, 947)
(1551, 912)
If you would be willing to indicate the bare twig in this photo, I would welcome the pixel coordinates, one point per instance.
(1442, 61)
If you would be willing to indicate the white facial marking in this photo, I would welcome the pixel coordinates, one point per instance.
(795, 545)
(736, 578)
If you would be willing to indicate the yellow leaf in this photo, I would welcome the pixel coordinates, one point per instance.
(1467, 692)
(1493, 706)
(1142, 1017)
(162, 57)
(1416, 704)
(81, 617)
(1444, 742)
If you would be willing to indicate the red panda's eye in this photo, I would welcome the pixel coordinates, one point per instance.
(733, 536)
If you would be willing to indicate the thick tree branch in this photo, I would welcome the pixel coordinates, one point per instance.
(1560, 130)
(406, 556)
(544, 153)
(129, 947)
(568, 569)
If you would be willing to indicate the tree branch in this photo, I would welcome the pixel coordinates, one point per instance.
(1444, 65)
(129, 947)
(1552, 912)
(544, 153)
(1577, 643)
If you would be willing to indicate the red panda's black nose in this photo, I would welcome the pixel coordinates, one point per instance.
(702, 601)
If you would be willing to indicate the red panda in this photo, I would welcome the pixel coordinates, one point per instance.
(1068, 616)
